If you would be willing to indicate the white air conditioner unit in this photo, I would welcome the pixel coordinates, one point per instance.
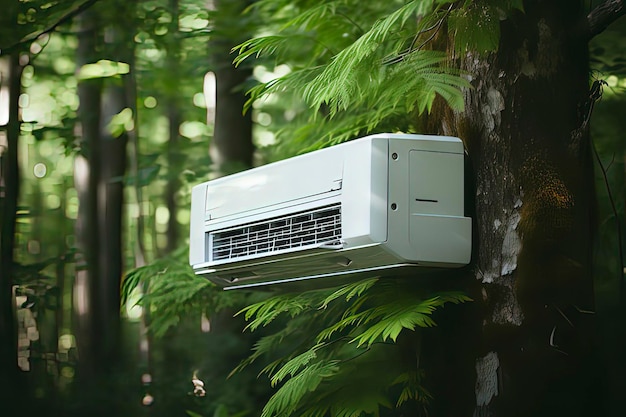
(372, 205)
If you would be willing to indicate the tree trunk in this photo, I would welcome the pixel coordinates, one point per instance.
(118, 43)
(86, 179)
(99, 182)
(525, 129)
(231, 148)
(174, 162)
(9, 193)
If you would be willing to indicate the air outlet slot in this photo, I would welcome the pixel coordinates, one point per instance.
(311, 228)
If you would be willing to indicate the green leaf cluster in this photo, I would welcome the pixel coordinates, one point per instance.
(366, 68)
(343, 351)
(357, 72)
(170, 290)
(476, 25)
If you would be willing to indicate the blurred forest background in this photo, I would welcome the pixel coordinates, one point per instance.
(109, 112)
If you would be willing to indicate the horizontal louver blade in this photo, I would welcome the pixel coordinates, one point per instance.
(298, 230)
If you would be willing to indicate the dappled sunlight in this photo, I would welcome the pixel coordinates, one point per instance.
(4, 91)
(209, 97)
(81, 294)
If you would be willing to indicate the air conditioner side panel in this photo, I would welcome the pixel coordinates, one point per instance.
(448, 243)
(426, 187)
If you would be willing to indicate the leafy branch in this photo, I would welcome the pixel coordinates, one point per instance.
(348, 326)
(64, 19)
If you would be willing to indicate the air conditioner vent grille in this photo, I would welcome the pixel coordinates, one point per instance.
(299, 230)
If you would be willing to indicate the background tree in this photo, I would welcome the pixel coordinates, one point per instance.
(9, 193)
(231, 146)
(104, 50)
(86, 178)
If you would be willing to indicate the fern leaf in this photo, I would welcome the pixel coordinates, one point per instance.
(350, 291)
(263, 45)
(294, 365)
(287, 399)
(314, 15)
(412, 389)
(338, 82)
(405, 313)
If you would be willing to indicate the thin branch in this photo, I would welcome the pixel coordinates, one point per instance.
(618, 228)
(66, 18)
(603, 15)
(435, 28)
(355, 24)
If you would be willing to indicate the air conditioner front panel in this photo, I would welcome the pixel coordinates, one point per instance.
(316, 174)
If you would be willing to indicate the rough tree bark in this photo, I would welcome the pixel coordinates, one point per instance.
(525, 127)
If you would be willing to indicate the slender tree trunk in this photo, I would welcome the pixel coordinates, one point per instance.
(111, 188)
(9, 193)
(134, 151)
(99, 180)
(525, 128)
(231, 148)
(174, 161)
(110, 202)
(86, 179)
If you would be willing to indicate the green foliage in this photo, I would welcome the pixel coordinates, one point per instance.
(170, 290)
(345, 357)
(364, 68)
(21, 22)
(476, 26)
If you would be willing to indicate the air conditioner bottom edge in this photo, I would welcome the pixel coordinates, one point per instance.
(372, 260)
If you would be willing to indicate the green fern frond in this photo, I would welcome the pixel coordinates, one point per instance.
(404, 313)
(271, 367)
(340, 79)
(172, 290)
(294, 365)
(291, 82)
(276, 45)
(349, 291)
(348, 321)
(261, 347)
(287, 399)
(312, 17)
(266, 311)
(412, 388)
(390, 320)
